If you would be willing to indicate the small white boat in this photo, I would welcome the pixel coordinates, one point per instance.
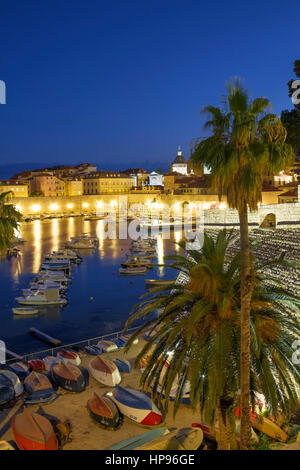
(69, 357)
(104, 371)
(136, 405)
(107, 346)
(25, 310)
(133, 271)
(47, 297)
(50, 361)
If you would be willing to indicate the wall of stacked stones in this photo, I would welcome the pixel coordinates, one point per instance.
(285, 214)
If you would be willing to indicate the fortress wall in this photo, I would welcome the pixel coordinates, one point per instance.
(285, 214)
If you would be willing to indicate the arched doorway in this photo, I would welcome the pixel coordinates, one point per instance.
(269, 221)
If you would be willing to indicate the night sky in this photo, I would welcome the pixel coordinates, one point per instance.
(121, 83)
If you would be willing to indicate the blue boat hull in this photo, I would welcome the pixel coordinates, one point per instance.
(123, 366)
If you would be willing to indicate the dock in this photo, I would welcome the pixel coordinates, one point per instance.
(44, 337)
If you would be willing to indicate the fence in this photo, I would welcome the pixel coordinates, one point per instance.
(83, 343)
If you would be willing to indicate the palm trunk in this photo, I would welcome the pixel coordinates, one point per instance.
(223, 431)
(246, 292)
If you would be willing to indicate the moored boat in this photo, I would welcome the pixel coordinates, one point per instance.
(183, 439)
(10, 386)
(266, 426)
(4, 445)
(133, 270)
(136, 441)
(39, 388)
(25, 310)
(104, 371)
(123, 365)
(107, 346)
(69, 377)
(104, 411)
(14, 379)
(20, 369)
(69, 357)
(136, 405)
(36, 364)
(93, 350)
(33, 432)
(50, 361)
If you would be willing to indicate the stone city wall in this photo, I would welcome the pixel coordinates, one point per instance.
(279, 215)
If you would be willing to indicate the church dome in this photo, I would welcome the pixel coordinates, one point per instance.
(179, 158)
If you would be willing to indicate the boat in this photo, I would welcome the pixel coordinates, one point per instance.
(120, 343)
(133, 271)
(39, 388)
(93, 350)
(50, 361)
(266, 426)
(104, 371)
(126, 338)
(10, 386)
(20, 369)
(133, 442)
(80, 244)
(158, 282)
(25, 310)
(107, 346)
(44, 337)
(69, 357)
(104, 411)
(55, 266)
(136, 405)
(46, 297)
(33, 432)
(7, 393)
(123, 365)
(55, 276)
(185, 397)
(4, 445)
(69, 377)
(36, 364)
(136, 264)
(182, 439)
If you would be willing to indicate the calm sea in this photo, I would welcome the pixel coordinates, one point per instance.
(96, 277)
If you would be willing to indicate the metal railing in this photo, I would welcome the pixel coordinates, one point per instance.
(87, 342)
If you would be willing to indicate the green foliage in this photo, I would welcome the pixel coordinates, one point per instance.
(199, 324)
(291, 121)
(263, 443)
(246, 143)
(9, 221)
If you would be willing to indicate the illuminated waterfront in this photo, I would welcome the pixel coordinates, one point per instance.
(97, 276)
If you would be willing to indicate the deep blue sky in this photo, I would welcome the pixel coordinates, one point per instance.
(122, 82)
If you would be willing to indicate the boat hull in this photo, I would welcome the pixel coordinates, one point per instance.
(136, 405)
(99, 417)
(75, 386)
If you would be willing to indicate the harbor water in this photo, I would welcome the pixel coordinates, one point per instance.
(99, 299)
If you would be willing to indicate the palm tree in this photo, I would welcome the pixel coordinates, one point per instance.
(198, 334)
(245, 145)
(9, 221)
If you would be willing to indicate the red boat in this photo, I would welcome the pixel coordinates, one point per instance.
(36, 364)
(33, 432)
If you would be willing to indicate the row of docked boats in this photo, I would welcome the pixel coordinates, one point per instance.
(49, 286)
(139, 257)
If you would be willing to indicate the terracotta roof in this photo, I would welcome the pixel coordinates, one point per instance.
(268, 187)
(291, 193)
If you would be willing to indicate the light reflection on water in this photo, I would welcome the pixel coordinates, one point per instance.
(97, 276)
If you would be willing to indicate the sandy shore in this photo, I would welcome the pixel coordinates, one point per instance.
(86, 434)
